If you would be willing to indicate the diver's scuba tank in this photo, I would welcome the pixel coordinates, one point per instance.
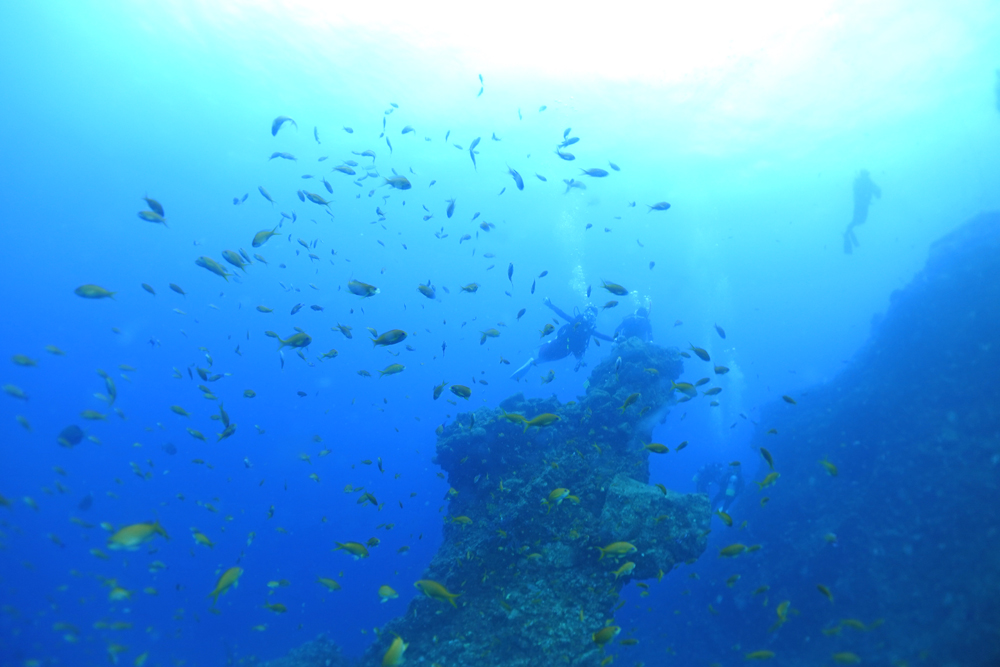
(730, 493)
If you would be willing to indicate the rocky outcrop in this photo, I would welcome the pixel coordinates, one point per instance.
(533, 585)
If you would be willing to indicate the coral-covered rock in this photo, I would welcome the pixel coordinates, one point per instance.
(528, 510)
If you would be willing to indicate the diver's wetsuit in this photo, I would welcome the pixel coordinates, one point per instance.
(572, 338)
(729, 479)
(864, 190)
(635, 325)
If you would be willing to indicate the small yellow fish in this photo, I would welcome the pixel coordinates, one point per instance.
(625, 569)
(614, 288)
(130, 538)
(684, 388)
(329, 583)
(361, 289)
(356, 550)
(557, 495)
(390, 337)
(394, 655)
(732, 550)
(617, 549)
(759, 655)
(229, 579)
(632, 398)
(213, 266)
(767, 457)
(93, 292)
(261, 237)
(119, 594)
(605, 634)
(386, 593)
(201, 538)
(392, 369)
(544, 419)
(769, 480)
(433, 589)
(513, 417)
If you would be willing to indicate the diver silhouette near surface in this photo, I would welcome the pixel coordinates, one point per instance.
(864, 190)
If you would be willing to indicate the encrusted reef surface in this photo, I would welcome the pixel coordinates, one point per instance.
(320, 652)
(906, 534)
(532, 584)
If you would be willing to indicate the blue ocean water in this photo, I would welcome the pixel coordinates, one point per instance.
(754, 137)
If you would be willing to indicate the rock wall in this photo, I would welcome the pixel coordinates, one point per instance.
(906, 535)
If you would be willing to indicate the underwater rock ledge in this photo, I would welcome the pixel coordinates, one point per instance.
(530, 509)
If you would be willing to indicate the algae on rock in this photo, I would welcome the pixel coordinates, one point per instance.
(533, 585)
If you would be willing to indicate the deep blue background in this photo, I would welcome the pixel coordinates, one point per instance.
(104, 104)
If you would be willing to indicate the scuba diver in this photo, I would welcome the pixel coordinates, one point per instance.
(572, 337)
(635, 325)
(864, 190)
(729, 479)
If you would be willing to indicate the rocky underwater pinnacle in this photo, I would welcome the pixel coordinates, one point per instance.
(547, 523)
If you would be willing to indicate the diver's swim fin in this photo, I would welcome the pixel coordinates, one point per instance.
(850, 240)
(523, 370)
